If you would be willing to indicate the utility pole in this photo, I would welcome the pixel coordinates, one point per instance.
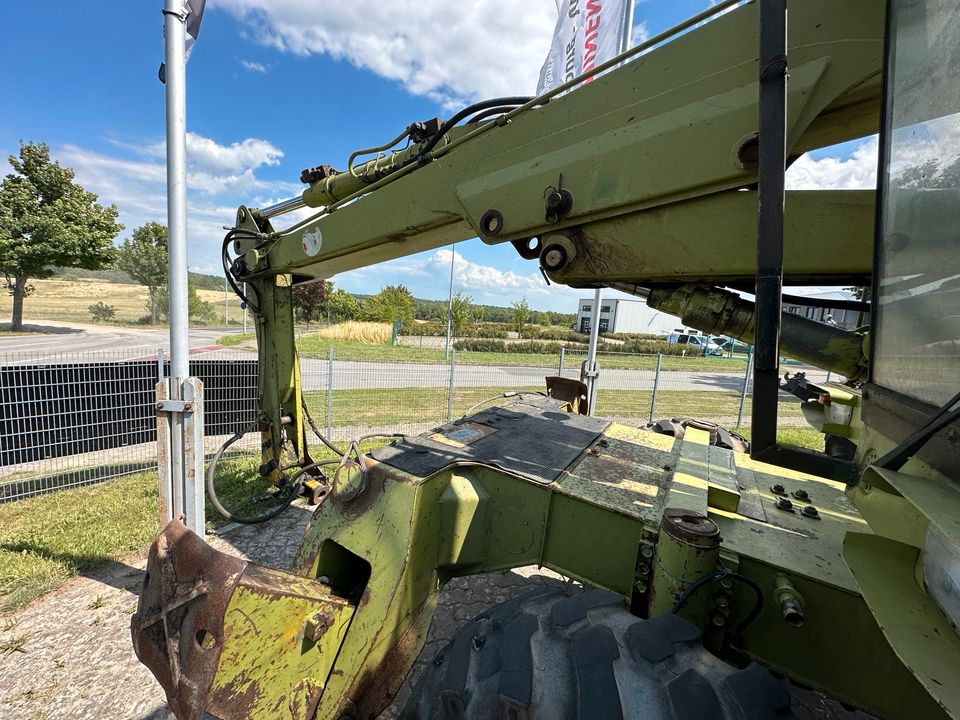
(226, 307)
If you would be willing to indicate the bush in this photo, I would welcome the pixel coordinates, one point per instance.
(102, 312)
(499, 346)
(632, 336)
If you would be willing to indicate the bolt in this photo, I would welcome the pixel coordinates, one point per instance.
(785, 505)
(801, 495)
(644, 569)
(778, 489)
(646, 551)
(811, 512)
(316, 626)
(159, 406)
(187, 407)
(640, 586)
(478, 641)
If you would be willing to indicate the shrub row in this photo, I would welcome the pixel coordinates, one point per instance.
(499, 346)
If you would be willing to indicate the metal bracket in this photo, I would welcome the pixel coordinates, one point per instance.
(174, 406)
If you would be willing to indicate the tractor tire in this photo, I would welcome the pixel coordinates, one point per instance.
(579, 654)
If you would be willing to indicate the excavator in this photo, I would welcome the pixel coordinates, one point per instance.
(705, 582)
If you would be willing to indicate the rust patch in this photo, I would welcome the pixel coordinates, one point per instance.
(377, 688)
(177, 631)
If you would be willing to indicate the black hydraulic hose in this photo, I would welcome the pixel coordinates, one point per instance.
(490, 113)
(225, 258)
(320, 436)
(215, 500)
(720, 575)
(466, 112)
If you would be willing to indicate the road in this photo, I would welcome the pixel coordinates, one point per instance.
(350, 375)
(72, 337)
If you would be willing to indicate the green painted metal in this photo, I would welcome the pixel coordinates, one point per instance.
(409, 535)
(673, 127)
(281, 635)
(688, 548)
(714, 310)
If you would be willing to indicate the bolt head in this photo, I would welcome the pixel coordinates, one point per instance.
(785, 505)
(778, 489)
(811, 512)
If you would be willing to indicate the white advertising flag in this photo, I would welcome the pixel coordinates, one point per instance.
(588, 33)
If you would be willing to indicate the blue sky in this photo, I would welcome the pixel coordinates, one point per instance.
(278, 85)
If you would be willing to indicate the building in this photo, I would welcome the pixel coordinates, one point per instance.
(846, 319)
(618, 315)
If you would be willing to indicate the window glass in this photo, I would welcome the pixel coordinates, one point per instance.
(917, 344)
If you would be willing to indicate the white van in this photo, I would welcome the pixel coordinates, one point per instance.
(699, 344)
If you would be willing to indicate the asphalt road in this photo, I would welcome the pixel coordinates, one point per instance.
(75, 337)
(347, 374)
(350, 375)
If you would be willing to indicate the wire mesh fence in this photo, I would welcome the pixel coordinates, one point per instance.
(72, 419)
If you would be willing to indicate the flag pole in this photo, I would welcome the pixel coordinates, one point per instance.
(591, 370)
(181, 413)
(174, 27)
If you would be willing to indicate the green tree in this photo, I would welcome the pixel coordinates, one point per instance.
(392, 303)
(519, 315)
(460, 312)
(47, 220)
(310, 300)
(342, 306)
(144, 258)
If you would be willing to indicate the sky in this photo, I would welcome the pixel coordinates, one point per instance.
(274, 86)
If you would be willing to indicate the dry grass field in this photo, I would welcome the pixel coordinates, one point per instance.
(70, 300)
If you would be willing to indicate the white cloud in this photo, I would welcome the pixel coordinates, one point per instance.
(451, 52)
(218, 175)
(470, 276)
(253, 66)
(857, 172)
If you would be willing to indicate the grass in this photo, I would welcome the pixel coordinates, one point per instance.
(400, 406)
(802, 437)
(312, 345)
(367, 333)
(69, 300)
(47, 539)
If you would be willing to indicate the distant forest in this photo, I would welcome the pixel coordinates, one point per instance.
(426, 309)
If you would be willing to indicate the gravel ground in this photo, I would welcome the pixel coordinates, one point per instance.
(68, 654)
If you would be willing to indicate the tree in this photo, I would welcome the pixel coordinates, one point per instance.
(519, 315)
(197, 308)
(342, 306)
(392, 303)
(144, 258)
(48, 220)
(310, 300)
(460, 312)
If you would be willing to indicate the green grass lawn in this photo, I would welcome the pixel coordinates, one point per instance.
(47, 539)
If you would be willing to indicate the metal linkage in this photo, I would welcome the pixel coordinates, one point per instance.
(770, 204)
(180, 452)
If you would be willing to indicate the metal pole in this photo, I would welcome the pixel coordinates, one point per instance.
(627, 34)
(226, 307)
(743, 392)
(590, 370)
(770, 203)
(330, 391)
(656, 386)
(244, 311)
(453, 257)
(174, 27)
(563, 354)
(453, 364)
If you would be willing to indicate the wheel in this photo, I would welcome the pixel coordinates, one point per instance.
(575, 653)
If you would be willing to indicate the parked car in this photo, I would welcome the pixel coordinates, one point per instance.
(702, 344)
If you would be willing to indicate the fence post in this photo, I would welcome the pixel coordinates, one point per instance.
(743, 391)
(656, 384)
(563, 352)
(453, 363)
(330, 391)
(828, 376)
